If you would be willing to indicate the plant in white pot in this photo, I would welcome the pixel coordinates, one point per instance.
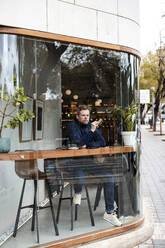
(12, 113)
(128, 116)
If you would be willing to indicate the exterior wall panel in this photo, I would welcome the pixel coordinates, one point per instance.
(105, 33)
(129, 9)
(109, 6)
(128, 33)
(24, 14)
(68, 19)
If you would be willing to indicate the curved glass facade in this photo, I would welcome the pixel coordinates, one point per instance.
(76, 156)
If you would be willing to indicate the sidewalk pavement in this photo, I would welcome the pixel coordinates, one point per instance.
(153, 181)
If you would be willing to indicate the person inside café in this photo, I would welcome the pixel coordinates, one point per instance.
(85, 134)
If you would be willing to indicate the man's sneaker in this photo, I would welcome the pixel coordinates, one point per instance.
(112, 218)
(77, 199)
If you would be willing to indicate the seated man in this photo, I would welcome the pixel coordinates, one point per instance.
(86, 135)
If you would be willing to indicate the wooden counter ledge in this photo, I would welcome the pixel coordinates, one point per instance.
(43, 154)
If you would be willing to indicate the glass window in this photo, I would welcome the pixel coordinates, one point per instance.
(85, 101)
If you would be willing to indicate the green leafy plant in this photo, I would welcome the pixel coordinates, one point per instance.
(12, 111)
(127, 115)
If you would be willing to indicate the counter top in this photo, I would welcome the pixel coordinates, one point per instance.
(43, 154)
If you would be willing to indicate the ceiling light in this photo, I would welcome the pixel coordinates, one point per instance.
(68, 92)
(75, 97)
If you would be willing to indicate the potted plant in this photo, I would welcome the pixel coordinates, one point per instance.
(128, 117)
(12, 113)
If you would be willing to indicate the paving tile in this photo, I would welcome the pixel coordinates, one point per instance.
(145, 246)
(153, 183)
(159, 242)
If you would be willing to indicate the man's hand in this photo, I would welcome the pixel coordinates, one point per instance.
(94, 125)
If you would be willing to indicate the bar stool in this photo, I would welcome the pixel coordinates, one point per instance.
(71, 181)
(70, 197)
(28, 170)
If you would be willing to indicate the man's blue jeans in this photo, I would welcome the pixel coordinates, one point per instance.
(105, 178)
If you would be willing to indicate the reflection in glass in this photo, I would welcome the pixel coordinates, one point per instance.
(9, 67)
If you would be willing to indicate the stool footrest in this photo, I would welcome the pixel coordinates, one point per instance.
(28, 206)
(66, 198)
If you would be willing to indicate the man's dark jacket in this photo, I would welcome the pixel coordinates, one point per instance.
(81, 134)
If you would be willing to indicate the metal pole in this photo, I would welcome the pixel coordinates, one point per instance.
(160, 115)
(152, 109)
(153, 89)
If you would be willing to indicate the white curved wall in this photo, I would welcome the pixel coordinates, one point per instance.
(112, 21)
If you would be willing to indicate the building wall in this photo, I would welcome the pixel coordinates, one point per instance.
(111, 21)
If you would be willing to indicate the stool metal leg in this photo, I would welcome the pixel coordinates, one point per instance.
(34, 204)
(59, 204)
(117, 199)
(89, 206)
(52, 209)
(19, 209)
(35, 210)
(71, 206)
(76, 211)
(98, 195)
